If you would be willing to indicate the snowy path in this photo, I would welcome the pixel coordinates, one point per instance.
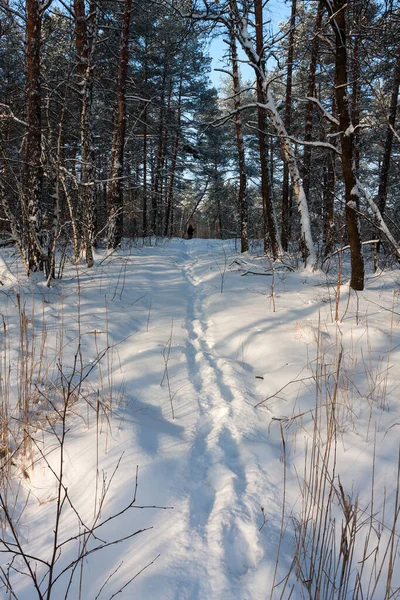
(219, 462)
(227, 485)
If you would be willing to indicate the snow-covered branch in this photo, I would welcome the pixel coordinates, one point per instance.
(381, 225)
(7, 113)
(327, 115)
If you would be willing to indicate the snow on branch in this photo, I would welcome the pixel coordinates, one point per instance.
(381, 223)
(327, 115)
(7, 113)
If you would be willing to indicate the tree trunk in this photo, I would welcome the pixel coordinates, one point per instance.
(168, 213)
(384, 172)
(310, 104)
(85, 31)
(160, 152)
(145, 232)
(288, 123)
(270, 222)
(243, 207)
(115, 189)
(337, 13)
(33, 154)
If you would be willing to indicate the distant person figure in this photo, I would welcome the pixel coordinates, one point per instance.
(190, 232)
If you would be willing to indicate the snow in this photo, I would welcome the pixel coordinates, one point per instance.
(214, 472)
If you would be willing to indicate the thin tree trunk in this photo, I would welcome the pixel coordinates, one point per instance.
(160, 151)
(115, 189)
(310, 105)
(85, 31)
(243, 207)
(384, 172)
(288, 123)
(337, 13)
(168, 213)
(355, 94)
(33, 154)
(145, 232)
(270, 222)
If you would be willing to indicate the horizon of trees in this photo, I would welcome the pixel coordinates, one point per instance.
(109, 126)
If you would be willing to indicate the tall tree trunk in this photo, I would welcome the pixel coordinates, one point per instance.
(145, 232)
(310, 104)
(337, 13)
(384, 172)
(33, 155)
(115, 189)
(170, 197)
(270, 222)
(85, 31)
(243, 207)
(355, 76)
(156, 196)
(288, 123)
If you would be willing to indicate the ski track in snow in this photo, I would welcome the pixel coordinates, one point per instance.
(219, 504)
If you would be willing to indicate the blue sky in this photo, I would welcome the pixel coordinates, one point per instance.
(277, 11)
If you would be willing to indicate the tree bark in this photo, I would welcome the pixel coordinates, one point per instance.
(337, 14)
(85, 31)
(115, 189)
(310, 105)
(168, 212)
(384, 172)
(288, 123)
(270, 222)
(156, 196)
(242, 197)
(145, 232)
(33, 154)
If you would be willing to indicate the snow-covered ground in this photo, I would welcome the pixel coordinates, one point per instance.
(216, 378)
